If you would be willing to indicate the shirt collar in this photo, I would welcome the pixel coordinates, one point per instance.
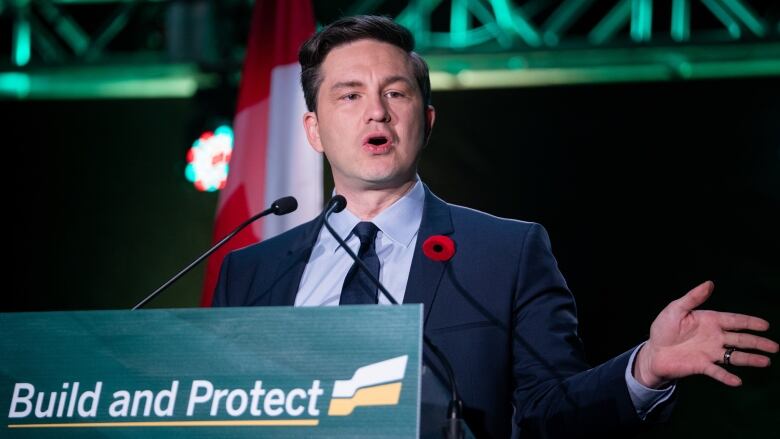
(399, 222)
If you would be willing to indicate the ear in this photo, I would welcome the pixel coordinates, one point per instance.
(312, 128)
(430, 118)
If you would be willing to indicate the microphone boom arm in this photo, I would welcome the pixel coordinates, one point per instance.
(281, 206)
(456, 405)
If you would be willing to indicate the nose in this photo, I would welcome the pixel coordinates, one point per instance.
(377, 110)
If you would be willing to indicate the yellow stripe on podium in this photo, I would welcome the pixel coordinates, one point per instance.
(386, 394)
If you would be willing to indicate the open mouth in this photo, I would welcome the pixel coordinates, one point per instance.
(377, 140)
(377, 143)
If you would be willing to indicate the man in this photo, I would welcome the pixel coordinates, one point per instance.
(498, 307)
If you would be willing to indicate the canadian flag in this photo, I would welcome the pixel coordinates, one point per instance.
(271, 157)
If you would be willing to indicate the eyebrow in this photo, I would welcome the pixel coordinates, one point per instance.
(398, 78)
(385, 82)
(346, 84)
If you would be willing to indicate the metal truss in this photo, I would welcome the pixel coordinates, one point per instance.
(503, 43)
(467, 24)
(118, 48)
(156, 48)
(57, 35)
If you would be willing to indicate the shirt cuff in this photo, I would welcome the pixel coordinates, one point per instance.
(644, 398)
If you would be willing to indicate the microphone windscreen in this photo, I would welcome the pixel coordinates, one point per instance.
(285, 205)
(338, 202)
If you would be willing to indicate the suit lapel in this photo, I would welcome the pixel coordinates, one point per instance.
(425, 274)
(292, 265)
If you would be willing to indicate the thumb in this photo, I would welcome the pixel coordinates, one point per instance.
(696, 296)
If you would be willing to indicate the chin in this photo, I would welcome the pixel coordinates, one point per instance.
(386, 181)
(379, 176)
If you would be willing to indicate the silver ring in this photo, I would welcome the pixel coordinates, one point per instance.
(727, 355)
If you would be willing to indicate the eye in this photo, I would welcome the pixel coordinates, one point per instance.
(349, 97)
(394, 94)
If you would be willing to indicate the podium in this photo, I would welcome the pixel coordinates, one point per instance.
(228, 372)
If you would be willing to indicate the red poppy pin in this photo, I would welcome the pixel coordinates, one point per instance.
(439, 248)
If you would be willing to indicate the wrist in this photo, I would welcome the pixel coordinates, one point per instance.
(642, 370)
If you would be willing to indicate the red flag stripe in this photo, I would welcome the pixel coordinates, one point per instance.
(277, 30)
(276, 34)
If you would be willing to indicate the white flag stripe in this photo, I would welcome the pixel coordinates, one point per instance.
(371, 375)
(292, 166)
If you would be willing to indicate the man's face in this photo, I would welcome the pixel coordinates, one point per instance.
(369, 120)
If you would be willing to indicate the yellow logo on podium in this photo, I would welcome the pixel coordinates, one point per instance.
(374, 384)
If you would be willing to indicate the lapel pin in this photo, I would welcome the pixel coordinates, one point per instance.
(439, 248)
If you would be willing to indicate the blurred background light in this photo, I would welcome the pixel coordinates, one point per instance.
(208, 159)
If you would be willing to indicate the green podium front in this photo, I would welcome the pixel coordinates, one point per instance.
(233, 372)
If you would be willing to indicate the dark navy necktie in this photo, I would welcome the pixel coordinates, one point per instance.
(358, 287)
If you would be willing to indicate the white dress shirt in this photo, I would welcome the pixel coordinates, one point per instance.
(328, 265)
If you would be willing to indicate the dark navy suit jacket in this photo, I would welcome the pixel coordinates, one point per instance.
(500, 310)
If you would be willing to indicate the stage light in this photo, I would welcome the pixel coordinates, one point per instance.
(208, 159)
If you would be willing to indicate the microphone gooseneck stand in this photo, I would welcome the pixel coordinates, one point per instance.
(282, 206)
(453, 428)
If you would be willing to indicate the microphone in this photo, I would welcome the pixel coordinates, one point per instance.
(282, 206)
(453, 429)
(336, 204)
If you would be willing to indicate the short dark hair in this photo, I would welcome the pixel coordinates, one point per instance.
(347, 30)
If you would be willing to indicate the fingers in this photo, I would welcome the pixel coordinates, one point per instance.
(736, 322)
(718, 373)
(747, 359)
(737, 359)
(696, 296)
(749, 341)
